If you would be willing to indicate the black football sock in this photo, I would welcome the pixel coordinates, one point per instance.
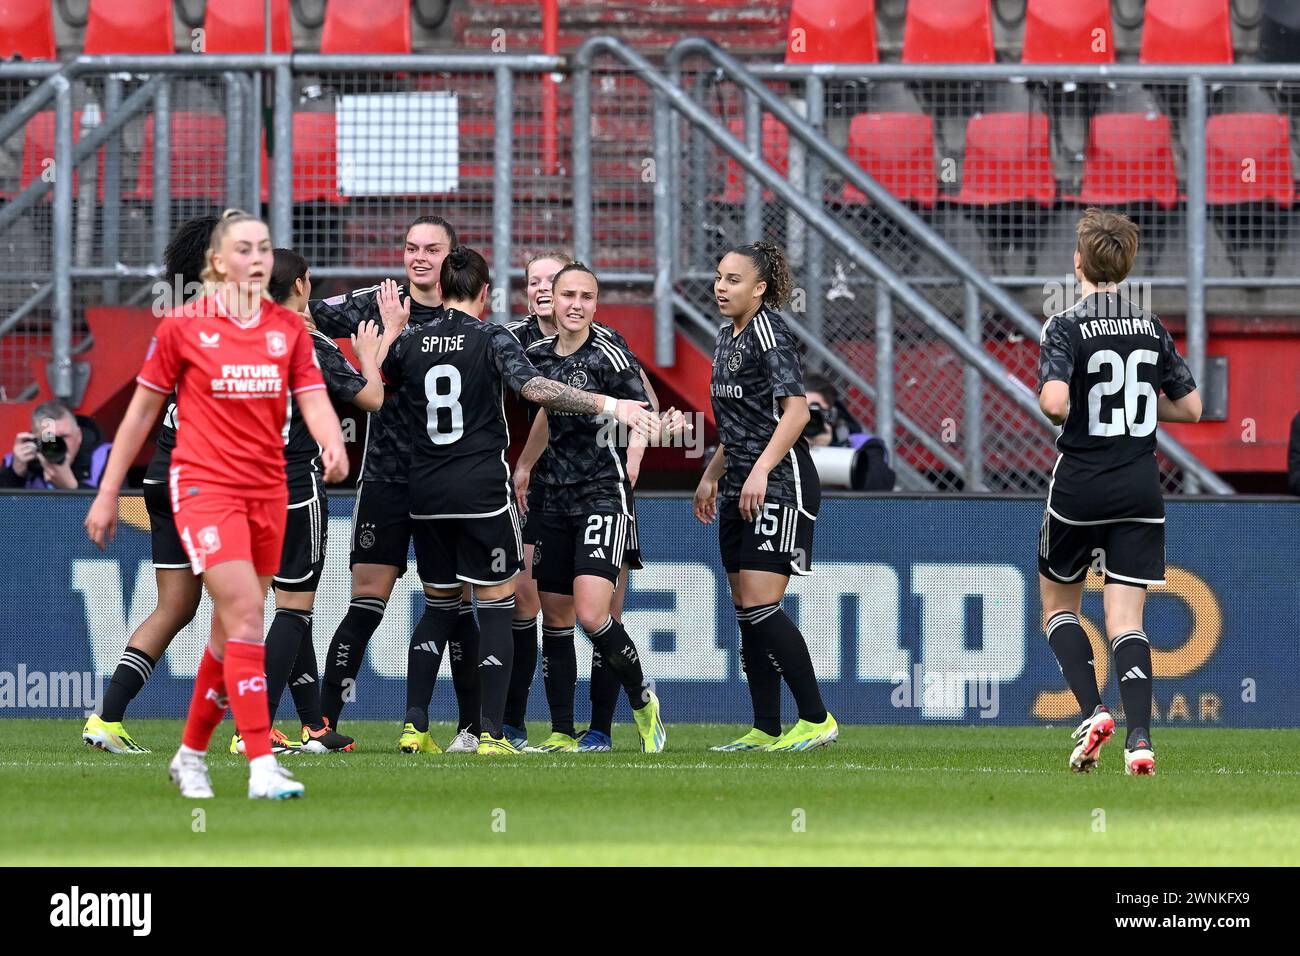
(1073, 650)
(604, 695)
(423, 657)
(496, 657)
(524, 631)
(304, 686)
(762, 676)
(777, 633)
(560, 676)
(132, 671)
(347, 651)
(1132, 655)
(612, 642)
(283, 639)
(463, 651)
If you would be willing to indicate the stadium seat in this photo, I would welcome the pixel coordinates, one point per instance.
(834, 31)
(27, 30)
(1008, 159)
(1186, 31)
(129, 26)
(315, 160)
(948, 31)
(776, 153)
(1248, 159)
(376, 26)
(238, 26)
(1068, 31)
(897, 150)
(38, 152)
(1129, 159)
(198, 160)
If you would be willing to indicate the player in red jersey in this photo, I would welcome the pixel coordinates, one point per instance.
(234, 358)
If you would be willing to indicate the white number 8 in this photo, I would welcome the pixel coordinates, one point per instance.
(449, 401)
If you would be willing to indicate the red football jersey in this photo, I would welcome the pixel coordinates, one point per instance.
(233, 380)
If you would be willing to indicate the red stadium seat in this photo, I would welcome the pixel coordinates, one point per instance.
(948, 31)
(1248, 159)
(834, 31)
(1130, 159)
(776, 153)
(315, 160)
(129, 26)
(1187, 31)
(376, 26)
(27, 30)
(1068, 31)
(897, 150)
(238, 26)
(38, 152)
(198, 161)
(1007, 160)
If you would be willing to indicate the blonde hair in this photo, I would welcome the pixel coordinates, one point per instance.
(555, 255)
(230, 217)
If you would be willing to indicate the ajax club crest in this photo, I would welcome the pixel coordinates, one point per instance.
(578, 378)
(733, 363)
(276, 345)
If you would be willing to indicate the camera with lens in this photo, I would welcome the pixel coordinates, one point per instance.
(53, 448)
(818, 419)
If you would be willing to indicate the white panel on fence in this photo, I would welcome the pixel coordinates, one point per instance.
(398, 144)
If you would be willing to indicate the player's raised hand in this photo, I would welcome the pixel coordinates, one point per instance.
(366, 339)
(392, 309)
(673, 423)
(637, 416)
(706, 500)
(334, 459)
(101, 520)
(753, 494)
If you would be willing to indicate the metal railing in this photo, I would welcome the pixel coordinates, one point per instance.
(913, 308)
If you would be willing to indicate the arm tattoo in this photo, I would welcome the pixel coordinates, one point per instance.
(562, 398)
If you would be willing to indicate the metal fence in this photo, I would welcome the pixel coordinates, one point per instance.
(928, 211)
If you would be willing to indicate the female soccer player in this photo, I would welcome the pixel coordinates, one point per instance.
(538, 324)
(234, 358)
(587, 514)
(381, 519)
(178, 588)
(763, 482)
(290, 654)
(1101, 366)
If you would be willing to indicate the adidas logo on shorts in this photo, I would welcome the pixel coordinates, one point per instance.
(598, 553)
(766, 546)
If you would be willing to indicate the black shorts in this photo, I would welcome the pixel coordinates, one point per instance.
(164, 539)
(580, 544)
(532, 526)
(779, 540)
(381, 525)
(453, 551)
(303, 557)
(632, 556)
(1127, 552)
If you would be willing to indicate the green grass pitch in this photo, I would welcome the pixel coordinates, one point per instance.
(882, 795)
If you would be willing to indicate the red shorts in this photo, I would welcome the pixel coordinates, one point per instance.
(216, 526)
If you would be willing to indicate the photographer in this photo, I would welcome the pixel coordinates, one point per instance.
(831, 426)
(61, 451)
